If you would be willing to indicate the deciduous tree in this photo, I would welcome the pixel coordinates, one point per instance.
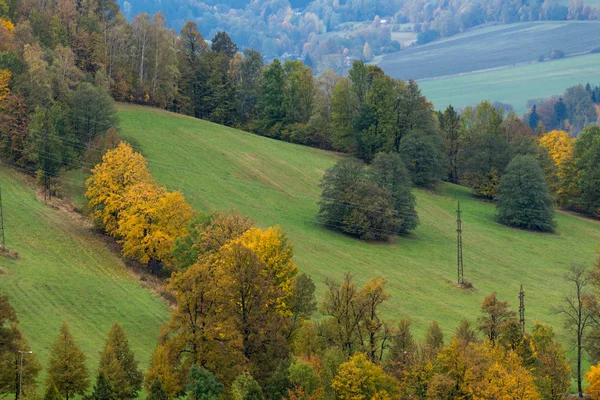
(121, 169)
(67, 368)
(523, 199)
(495, 315)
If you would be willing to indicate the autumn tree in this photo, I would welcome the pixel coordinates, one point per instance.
(12, 341)
(14, 120)
(577, 317)
(552, 370)
(200, 330)
(402, 351)
(495, 314)
(151, 221)
(360, 379)
(563, 179)
(164, 376)
(523, 199)
(119, 366)
(121, 169)
(253, 294)
(5, 76)
(67, 368)
(434, 341)
(593, 378)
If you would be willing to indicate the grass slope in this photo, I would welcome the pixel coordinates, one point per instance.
(66, 272)
(219, 168)
(513, 85)
(491, 47)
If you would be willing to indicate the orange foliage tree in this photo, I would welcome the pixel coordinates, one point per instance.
(151, 221)
(593, 378)
(121, 169)
(5, 76)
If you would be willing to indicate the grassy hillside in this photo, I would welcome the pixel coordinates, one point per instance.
(513, 85)
(219, 168)
(66, 272)
(491, 47)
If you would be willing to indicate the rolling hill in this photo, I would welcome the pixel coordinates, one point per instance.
(219, 168)
(513, 85)
(491, 47)
(67, 272)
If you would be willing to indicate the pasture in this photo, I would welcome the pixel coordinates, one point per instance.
(219, 168)
(67, 272)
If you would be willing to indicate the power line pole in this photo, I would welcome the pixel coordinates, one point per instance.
(522, 308)
(459, 246)
(2, 238)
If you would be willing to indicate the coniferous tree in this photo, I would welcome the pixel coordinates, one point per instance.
(534, 118)
(523, 198)
(67, 369)
(102, 390)
(118, 365)
(389, 171)
(272, 101)
(450, 130)
(157, 392)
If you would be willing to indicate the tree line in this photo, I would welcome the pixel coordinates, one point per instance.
(243, 329)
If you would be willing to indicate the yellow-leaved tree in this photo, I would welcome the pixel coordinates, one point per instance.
(151, 221)
(495, 373)
(593, 378)
(274, 249)
(5, 76)
(8, 25)
(560, 146)
(360, 379)
(120, 169)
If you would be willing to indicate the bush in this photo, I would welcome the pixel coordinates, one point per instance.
(557, 54)
(523, 199)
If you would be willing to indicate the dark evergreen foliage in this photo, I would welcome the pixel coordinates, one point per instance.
(523, 200)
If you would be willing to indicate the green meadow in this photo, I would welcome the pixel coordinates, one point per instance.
(219, 168)
(67, 272)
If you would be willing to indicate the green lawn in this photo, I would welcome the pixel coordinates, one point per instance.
(513, 85)
(219, 168)
(66, 272)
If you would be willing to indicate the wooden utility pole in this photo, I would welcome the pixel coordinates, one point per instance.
(522, 309)
(459, 246)
(2, 238)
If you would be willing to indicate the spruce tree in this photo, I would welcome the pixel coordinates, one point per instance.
(67, 369)
(102, 390)
(119, 366)
(388, 171)
(523, 198)
(157, 392)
